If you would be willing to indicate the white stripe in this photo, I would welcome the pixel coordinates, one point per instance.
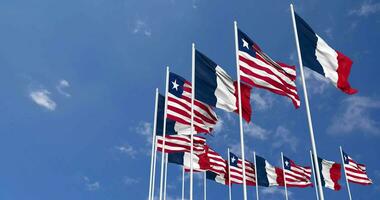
(326, 166)
(328, 58)
(271, 174)
(224, 93)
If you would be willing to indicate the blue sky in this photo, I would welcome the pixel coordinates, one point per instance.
(78, 78)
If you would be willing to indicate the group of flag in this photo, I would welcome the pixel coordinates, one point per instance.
(182, 115)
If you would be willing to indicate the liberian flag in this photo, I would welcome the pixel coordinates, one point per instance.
(320, 57)
(179, 108)
(216, 88)
(181, 143)
(295, 175)
(267, 174)
(259, 70)
(200, 162)
(330, 173)
(355, 172)
(171, 125)
(236, 171)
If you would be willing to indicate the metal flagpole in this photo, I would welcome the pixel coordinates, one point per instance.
(256, 178)
(153, 157)
(240, 112)
(166, 174)
(204, 186)
(183, 182)
(163, 133)
(313, 145)
(283, 172)
(345, 173)
(229, 174)
(315, 179)
(192, 118)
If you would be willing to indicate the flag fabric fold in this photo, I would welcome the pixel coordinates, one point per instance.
(295, 175)
(355, 172)
(236, 171)
(267, 174)
(181, 143)
(259, 70)
(179, 108)
(200, 162)
(330, 172)
(318, 56)
(216, 88)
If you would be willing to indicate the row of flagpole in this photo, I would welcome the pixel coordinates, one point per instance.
(162, 191)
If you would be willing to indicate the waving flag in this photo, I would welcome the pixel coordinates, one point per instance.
(179, 107)
(258, 69)
(216, 88)
(181, 143)
(295, 175)
(268, 175)
(219, 178)
(356, 173)
(236, 171)
(217, 163)
(330, 173)
(320, 57)
(200, 162)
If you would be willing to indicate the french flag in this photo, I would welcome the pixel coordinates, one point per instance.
(330, 173)
(267, 174)
(216, 88)
(320, 57)
(200, 162)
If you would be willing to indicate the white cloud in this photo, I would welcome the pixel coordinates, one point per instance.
(366, 8)
(91, 186)
(273, 190)
(41, 97)
(141, 27)
(283, 137)
(316, 83)
(355, 115)
(130, 181)
(61, 86)
(219, 126)
(256, 131)
(146, 130)
(127, 149)
(328, 32)
(262, 101)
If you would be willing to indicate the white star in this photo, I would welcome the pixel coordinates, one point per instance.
(175, 85)
(245, 44)
(286, 163)
(233, 159)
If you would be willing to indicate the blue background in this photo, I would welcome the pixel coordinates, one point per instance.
(91, 140)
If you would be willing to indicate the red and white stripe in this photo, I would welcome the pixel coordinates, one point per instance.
(261, 71)
(298, 176)
(356, 173)
(236, 173)
(217, 163)
(179, 109)
(181, 143)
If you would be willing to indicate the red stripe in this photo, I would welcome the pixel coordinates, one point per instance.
(344, 68)
(335, 174)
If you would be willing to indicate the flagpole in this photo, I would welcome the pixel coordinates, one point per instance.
(283, 173)
(240, 112)
(166, 174)
(315, 179)
(192, 117)
(256, 178)
(163, 132)
(152, 173)
(310, 123)
(204, 186)
(345, 173)
(229, 175)
(183, 182)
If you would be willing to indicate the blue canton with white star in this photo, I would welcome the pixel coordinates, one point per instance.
(233, 160)
(176, 83)
(287, 163)
(245, 43)
(345, 158)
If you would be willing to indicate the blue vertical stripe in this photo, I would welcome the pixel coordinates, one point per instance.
(176, 158)
(262, 177)
(160, 119)
(205, 79)
(308, 44)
